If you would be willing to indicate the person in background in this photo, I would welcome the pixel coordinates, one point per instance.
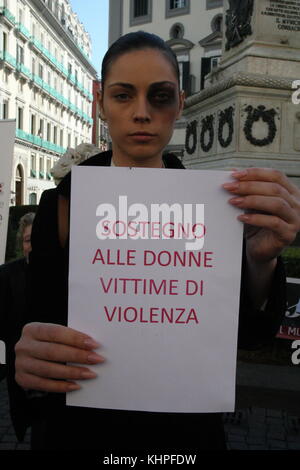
(13, 280)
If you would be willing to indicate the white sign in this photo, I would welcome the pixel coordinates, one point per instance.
(7, 139)
(164, 310)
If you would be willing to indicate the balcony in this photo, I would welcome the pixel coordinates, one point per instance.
(7, 16)
(22, 31)
(24, 71)
(38, 80)
(8, 59)
(33, 139)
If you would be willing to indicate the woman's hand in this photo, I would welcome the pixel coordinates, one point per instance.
(272, 205)
(42, 351)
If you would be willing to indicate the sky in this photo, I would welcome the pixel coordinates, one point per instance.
(94, 16)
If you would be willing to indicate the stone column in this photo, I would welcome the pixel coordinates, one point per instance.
(249, 112)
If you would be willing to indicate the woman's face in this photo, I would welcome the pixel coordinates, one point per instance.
(26, 241)
(141, 102)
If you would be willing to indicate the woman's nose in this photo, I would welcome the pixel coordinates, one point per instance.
(141, 110)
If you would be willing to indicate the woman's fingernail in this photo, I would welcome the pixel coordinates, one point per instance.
(244, 217)
(72, 387)
(236, 201)
(88, 374)
(94, 358)
(231, 186)
(239, 174)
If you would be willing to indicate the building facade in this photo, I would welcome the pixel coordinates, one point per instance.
(193, 29)
(46, 85)
(100, 138)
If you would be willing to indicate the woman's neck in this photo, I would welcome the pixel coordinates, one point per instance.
(129, 161)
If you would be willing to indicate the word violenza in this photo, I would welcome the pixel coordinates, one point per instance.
(153, 315)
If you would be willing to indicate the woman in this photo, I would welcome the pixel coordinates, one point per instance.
(141, 101)
(13, 306)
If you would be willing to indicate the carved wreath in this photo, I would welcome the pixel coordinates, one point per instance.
(191, 131)
(207, 126)
(225, 117)
(268, 116)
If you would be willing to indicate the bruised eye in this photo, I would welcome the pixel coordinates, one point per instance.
(161, 97)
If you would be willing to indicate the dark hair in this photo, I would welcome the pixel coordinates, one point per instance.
(137, 41)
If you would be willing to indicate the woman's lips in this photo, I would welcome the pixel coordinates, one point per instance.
(140, 137)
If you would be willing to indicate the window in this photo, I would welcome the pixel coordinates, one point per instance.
(140, 11)
(210, 4)
(177, 4)
(33, 66)
(5, 109)
(177, 7)
(33, 124)
(217, 23)
(48, 168)
(48, 132)
(207, 64)
(41, 71)
(140, 8)
(42, 168)
(61, 141)
(177, 31)
(33, 166)
(41, 129)
(184, 70)
(4, 41)
(55, 135)
(20, 54)
(19, 118)
(32, 199)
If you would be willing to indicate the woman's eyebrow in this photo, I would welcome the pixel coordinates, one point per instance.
(123, 85)
(132, 87)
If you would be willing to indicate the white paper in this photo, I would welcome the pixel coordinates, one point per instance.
(151, 363)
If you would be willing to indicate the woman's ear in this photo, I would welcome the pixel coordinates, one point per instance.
(181, 103)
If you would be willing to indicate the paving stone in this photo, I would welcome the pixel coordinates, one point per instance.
(7, 446)
(23, 447)
(236, 438)
(274, 413)
(281, 436)
(258, 447)
(238, 430)
(9, 438)
(293, 446)
(238, 446)
(255, 440)
(295, 438)
(276, 444)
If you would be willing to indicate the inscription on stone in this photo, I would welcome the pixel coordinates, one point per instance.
(286, 14)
